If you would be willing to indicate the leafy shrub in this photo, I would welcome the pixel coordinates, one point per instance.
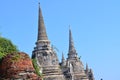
(6, 46)
(37, 68)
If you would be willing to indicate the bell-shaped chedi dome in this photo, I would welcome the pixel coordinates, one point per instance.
(17, 66)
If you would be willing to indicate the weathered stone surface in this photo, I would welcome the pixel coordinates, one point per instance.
(70, 69)
(17, 66)
(73, 68)
(45, 55)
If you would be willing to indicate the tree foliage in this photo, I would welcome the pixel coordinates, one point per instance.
(6, 46)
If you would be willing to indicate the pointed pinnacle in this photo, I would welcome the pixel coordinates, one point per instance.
(71, 43)
(63, 56)
(86, 66)
(42, 35)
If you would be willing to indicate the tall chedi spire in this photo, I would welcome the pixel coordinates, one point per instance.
(72, 52)
(73, 60)
(42, 35)
(44, 54)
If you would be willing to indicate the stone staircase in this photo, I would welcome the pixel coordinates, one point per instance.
(53, 73)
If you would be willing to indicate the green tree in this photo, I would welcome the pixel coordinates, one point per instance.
(6, 47)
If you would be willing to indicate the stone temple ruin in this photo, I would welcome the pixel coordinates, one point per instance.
(69, 69)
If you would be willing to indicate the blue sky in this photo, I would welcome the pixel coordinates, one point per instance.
(95, 28)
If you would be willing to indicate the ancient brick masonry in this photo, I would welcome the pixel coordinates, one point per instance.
(17, 66)
(44, 54)
(69, 69)
(72, 67)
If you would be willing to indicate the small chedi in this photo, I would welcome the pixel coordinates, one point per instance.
(17, 66)
(69, 69)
